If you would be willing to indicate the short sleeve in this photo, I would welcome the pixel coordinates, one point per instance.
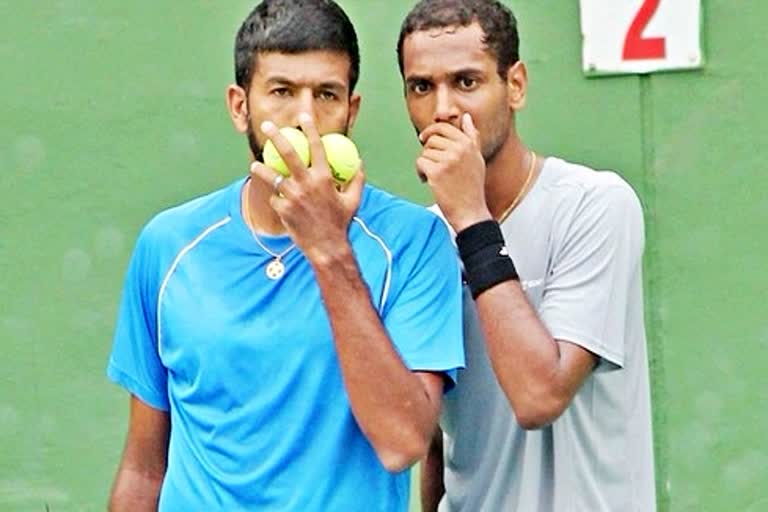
(134, 362)
(424, 316)
(597, 260)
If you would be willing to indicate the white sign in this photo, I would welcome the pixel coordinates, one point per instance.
(640, 36)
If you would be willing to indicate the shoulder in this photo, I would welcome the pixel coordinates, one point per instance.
(377, 202)
(169, 231)
(398, 219)
(587, 206)
(578, 188)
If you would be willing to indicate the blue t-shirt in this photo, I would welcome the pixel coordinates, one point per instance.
(246, 366)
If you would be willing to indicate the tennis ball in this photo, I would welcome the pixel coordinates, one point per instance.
(342, 156)
(298, 140)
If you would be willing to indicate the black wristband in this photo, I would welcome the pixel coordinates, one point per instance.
(484, 254)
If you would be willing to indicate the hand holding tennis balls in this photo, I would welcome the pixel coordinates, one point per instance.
(312, 205)
(342, 156)
(340, 152)
(300, 144)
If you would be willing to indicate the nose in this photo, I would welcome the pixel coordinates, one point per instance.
(446, 110)
(305, 103)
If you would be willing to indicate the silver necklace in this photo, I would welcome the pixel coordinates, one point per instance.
(275, 268)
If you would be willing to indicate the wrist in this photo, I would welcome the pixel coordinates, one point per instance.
(485, 257)
(334, 257)
(338, 274)
(461, 223)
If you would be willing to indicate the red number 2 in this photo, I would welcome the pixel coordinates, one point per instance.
(637, 47)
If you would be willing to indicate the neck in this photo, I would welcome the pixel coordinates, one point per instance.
(256, 210)
(506, 175)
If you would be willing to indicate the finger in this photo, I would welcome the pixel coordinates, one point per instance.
(278, 203)
(353, 191)
(267, 175)
(438, 142)
(468, 127)
(447, 130)
(434, 155)
(425, 168)
(316, 149)
(284, 148)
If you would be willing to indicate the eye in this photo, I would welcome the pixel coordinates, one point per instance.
(467, 83)
(328, 96)
(280, 92)
(420, 87)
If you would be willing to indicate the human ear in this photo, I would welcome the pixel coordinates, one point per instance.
(237, 106)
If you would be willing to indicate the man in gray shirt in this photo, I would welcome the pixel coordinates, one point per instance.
(553, 411)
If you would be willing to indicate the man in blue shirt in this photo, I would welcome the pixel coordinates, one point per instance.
(286, 344)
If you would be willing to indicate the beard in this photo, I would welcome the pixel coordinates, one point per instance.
(491, 150)
(256, 148)
(497, 136)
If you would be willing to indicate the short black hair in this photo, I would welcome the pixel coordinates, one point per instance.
(294, 26)
(497, 21)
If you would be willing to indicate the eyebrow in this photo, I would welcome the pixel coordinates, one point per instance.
(452, 74)
(328, 85)
(417, 78)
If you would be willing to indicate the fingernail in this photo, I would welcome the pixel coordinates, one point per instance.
(253, 166)
(267, 126)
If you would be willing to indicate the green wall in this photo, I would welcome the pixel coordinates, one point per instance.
(112, 110)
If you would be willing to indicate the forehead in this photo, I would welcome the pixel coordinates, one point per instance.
(305, 67)
(443, 50)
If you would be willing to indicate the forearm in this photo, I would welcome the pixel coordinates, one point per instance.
(389, 402)
(538, 375)
(432, 484)
(135, 491)
(144, 461)
(525, 358)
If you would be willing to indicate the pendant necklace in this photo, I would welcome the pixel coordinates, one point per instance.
(275, 268)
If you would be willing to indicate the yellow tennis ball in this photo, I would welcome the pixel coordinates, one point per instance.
(298, 140)
(342, 156)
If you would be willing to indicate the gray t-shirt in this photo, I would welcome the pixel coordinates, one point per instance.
(577, 242)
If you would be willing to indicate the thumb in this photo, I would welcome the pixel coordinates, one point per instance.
(353, 191)
(468, 127)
